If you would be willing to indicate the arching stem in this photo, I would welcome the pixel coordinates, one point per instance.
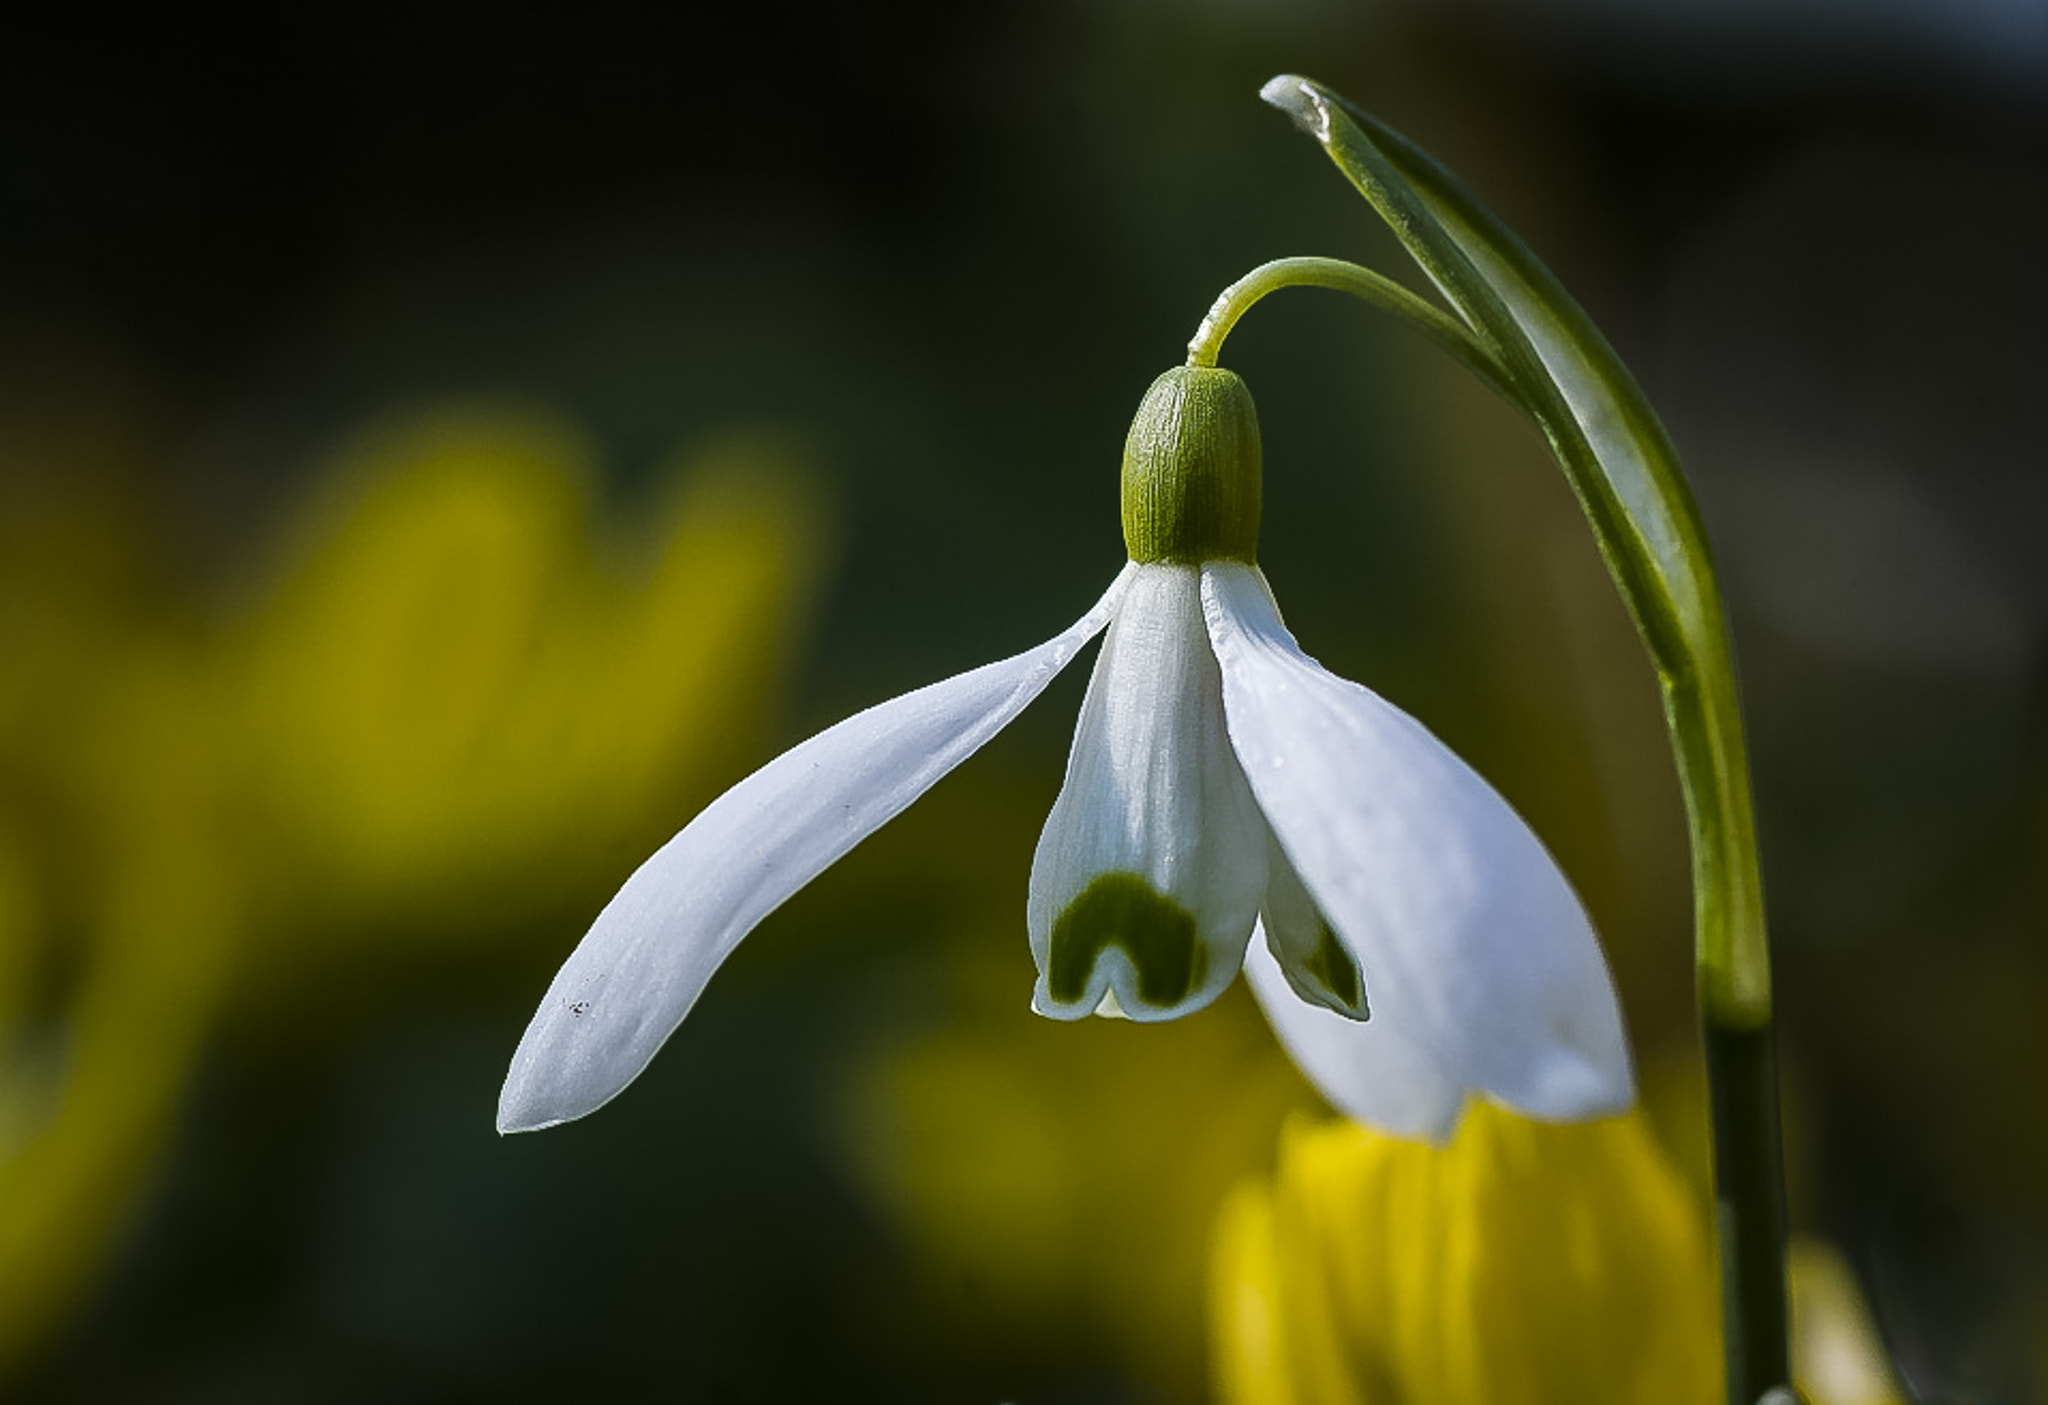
(1440, 327)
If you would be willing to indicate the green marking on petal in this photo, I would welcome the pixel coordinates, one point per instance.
(1123, 910)
(1337, 973)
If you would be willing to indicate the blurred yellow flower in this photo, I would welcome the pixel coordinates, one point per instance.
(116, 907)
(1522, 1262)
(464, 698)
(458, 704)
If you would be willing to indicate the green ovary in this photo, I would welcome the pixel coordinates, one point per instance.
(1191, 470)
(1155, 932)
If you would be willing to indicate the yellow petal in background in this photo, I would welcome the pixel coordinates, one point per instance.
(459, 707)
(122, 961)
(1523, 1263)
(467, 677)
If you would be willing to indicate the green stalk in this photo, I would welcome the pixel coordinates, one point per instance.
(1517, 328)
(1749, 1215)
(1449, 334)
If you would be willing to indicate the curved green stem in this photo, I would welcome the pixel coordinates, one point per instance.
(1451, 335)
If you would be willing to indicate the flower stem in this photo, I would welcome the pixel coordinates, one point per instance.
(1732, 978)
(1749, 1206)
(1312, 272)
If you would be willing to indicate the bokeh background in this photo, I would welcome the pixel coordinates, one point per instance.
(440, 450)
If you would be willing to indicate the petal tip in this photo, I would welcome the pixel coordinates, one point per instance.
(546, 1087)
(518, 1109)
(1044, 1005)
(513, 1119)
(1440, 1131)
(1576, 1085)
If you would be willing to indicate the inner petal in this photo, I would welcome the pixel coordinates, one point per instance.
(1151, 867)
(1319, 967)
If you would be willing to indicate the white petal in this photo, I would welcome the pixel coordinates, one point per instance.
(651, 951)
(1155, 831)
(1472, 942)
(1366, 1069)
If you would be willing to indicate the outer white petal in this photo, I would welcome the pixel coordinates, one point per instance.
(648, 956)
(1367, 1070)
(1153, 791)
(1473, 945)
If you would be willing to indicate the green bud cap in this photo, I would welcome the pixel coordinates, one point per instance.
(1191, 470)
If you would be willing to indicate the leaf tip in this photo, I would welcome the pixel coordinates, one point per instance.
(1298, 98)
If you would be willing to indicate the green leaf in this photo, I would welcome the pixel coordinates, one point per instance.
(1623, 469)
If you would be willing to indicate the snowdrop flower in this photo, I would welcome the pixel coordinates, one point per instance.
(1228, 803)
